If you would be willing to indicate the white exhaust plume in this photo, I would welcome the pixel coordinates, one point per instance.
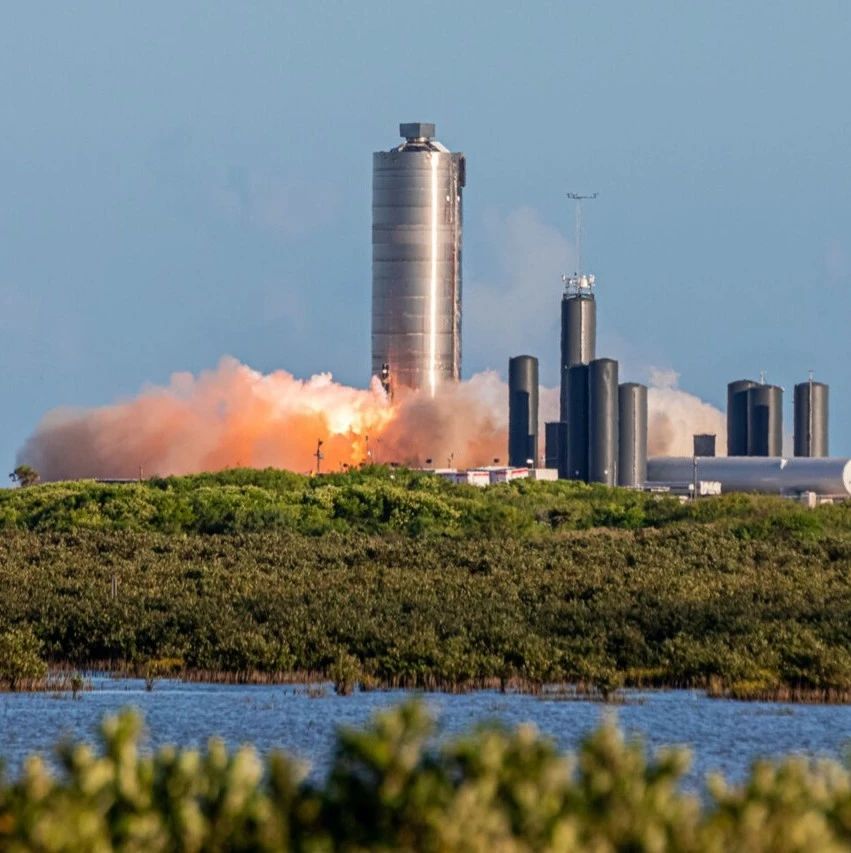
(675, 416)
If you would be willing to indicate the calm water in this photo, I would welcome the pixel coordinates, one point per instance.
(723, 735)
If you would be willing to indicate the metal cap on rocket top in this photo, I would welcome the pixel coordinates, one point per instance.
(413, 130)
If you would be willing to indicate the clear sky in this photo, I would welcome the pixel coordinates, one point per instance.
(180, 181)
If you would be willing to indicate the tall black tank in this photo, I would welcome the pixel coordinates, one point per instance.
(632, 434)
(577, 422)
(603, 421)
(578, 336)
(555, 450)
(811, 418)
(522, 411)
(704, 444)
(737, 416)
(765, 420)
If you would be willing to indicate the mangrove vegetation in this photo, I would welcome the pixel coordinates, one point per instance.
(387, 577)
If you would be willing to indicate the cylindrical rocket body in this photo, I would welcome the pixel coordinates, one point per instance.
(632, 434)
(811, 419)
(603, 421)
(737, 417)
(523, 411)
(577, 422)
(765, 420)
(416, 262)
(578, 336)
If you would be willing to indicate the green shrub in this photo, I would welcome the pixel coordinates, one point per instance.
(629, 516)
(20, 659)
(345, 672)
(377, 498)
(807, 661)
(694, 662)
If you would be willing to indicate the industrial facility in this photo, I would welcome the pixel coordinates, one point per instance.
(601, 435)
(755, 461)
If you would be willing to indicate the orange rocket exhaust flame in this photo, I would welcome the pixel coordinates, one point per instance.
(234, 416)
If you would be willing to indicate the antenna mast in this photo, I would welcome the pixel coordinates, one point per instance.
(579, 198)
(579, 282)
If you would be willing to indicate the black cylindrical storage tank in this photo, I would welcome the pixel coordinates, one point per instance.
(523, 411)
(737, 416)
(578, 336)
(632, 434)
(765, 420)
(811, 409)
(577, 422)
(555, 450)
(704, 444)
(603, 421)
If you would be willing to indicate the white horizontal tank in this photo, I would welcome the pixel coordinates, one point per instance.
(829, 476)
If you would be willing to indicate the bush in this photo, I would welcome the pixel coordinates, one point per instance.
(377, 498)
(20, 660)
(345, 672)
(807, 661)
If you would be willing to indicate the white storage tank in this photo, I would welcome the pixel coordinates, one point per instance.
(829, 476)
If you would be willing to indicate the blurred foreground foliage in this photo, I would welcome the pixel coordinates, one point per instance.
(390, 577)
(391, 787)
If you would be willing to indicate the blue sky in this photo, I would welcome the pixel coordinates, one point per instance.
(181, 181)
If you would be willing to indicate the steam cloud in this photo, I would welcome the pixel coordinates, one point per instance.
(234, 416)
(675, 416)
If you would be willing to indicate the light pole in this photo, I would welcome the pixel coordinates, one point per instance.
(694, 477)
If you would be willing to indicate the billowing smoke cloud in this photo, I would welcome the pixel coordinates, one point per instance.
(234, 416)
(674, 416)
